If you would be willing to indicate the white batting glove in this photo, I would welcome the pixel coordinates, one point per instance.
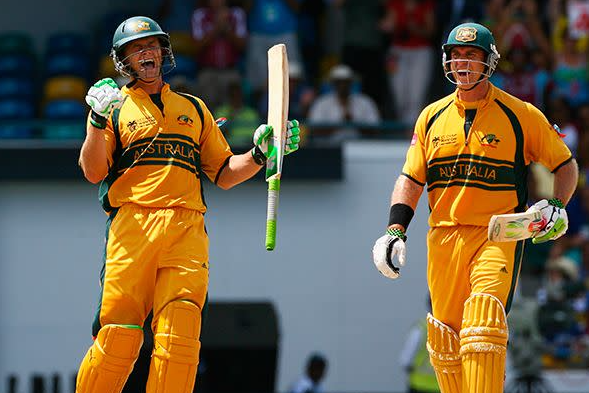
(386, 248)
(555, 216)
(104, 96)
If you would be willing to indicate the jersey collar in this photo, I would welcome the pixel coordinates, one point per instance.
(462, 105)
(135, 91)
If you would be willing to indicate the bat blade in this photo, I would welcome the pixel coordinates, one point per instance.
(277, 118)
(516, 226)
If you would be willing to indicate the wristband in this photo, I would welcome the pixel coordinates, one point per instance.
(401, 214)
(258, 155)
(97, 121)
(396, 232)
(556, 202)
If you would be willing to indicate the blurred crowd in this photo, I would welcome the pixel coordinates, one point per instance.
(358, 68)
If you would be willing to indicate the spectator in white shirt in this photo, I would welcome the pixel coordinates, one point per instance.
(315, 370)
(342, 113)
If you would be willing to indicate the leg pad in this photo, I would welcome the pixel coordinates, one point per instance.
(176, 349)
(483, 344)
(444, 353)
(110, 360)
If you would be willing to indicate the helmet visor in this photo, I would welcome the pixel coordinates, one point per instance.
(146, 64)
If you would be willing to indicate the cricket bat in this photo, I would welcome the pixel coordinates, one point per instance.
(277, 118)
(516, 226)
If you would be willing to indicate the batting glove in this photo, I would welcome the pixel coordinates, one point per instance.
(263, 139)
(386, 248)
(556, 218)
(103, 97)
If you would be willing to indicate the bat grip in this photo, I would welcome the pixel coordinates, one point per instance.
(273, 190)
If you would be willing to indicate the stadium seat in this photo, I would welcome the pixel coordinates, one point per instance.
(67, 42)
(185, 66)
(106, 68)
(182, 43)
(72, 111)
(16, 109)
(16, 87)
(17, 65)
(65, 87)
(65, 109)
(67, 64)
(16, 42)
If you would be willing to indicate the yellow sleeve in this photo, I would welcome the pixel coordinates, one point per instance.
(109, 138)
(415, 166)
(214, 149)
(542, 142)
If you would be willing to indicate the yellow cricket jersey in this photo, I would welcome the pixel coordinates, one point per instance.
(474, 156)
(156, 158)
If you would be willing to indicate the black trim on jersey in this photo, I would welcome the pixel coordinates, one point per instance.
(470, 157)
(162, 137)
(462, 183)
(96, 323)
(562, 164)
(412, 179)
(196, 104)
(517, 262)
(221, 169)
(430, 122)
(164, 162)
(157, 100)
(520, 167)
(469, 115)
(113, 172)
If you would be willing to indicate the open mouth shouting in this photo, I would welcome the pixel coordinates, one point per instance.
(148, 67)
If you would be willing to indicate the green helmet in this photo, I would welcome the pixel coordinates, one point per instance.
(471, 34)
(133, 29)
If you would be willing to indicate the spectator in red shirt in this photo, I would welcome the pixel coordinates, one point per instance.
(220, 34)
(411, 25)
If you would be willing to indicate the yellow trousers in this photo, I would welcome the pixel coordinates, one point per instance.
(461, 262)
(154, 259)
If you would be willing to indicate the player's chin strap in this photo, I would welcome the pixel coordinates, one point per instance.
(482, 77)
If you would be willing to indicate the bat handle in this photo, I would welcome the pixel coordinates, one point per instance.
(273, 190)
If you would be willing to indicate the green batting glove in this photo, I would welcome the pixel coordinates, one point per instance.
(263, 142)
(293, 137)
(556, 218)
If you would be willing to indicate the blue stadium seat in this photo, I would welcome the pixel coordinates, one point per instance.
(16, 109)
(67, 64)
(64, 131)
(65, 109)
(185, 66)
(68, 110)
(16, 87)
(17, 65)
(67, 42)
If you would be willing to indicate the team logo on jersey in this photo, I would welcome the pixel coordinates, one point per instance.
(132, 125)
(442, 140)
(141, 26)
(466, 34)
(184, 120)
(414, 139)
(136, 124)
(489, 140)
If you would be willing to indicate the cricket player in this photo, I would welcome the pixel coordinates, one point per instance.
(472, 149)
(150, 148)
